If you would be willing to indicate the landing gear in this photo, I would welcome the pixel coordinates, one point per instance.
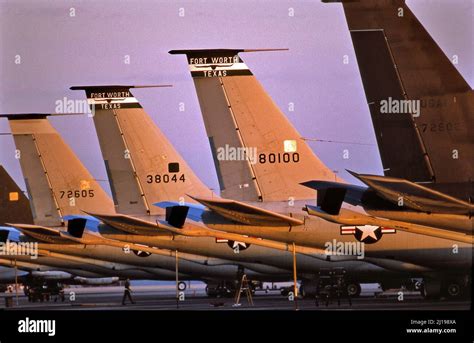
(333, 278)
(454, 288)
(409, 284)
(333, 285)
(417, 285)
(431, 289)
(182, 286)
(220, 290)
(353, 289)
(308, 288)
(38, 290)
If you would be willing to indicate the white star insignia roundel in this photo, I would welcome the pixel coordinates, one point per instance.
(240, 245)
(368, 231)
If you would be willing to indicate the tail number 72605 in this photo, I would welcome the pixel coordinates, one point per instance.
(84, 193)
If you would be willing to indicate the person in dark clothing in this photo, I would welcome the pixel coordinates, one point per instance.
(127, 293)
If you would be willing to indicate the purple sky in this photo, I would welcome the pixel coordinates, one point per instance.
(58, 51)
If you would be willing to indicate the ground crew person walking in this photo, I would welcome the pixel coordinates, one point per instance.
(127, 293)
(9, 297)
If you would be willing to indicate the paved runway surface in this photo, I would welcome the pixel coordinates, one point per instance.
(164, 298)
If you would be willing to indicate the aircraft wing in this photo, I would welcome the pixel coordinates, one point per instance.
(130, 224)
(247, 214)
(415, 196)
(348, 217)
(41, 233)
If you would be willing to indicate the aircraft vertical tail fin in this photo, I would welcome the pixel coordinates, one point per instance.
(14, 205)
(143, 167)
(258, 154)
(57, 182)
(403, 68)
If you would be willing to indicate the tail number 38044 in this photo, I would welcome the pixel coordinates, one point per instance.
(165, 178)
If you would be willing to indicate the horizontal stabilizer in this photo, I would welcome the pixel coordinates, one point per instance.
(217, 62)
(108, 87)
(41, 233)
(130, 224)
(247, 214)
(415, 196)
(33, 116)
(13, 116)
(216, 51)
(66, 235)
(345, 216)
(111, 97)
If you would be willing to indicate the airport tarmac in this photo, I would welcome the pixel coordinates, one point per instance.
(163, 297)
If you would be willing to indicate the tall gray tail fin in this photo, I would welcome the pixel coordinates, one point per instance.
(399, 60)
(14, 205)
(143, 167)
(57, 182)
(258, 154)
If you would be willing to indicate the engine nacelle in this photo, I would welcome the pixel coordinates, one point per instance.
(96, 281)
(52, 275)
